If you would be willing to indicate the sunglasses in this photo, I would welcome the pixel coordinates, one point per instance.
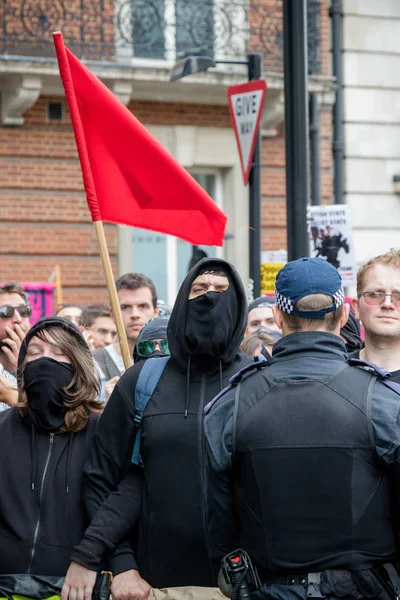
(377, 298)
(6, 312)
(146, 348)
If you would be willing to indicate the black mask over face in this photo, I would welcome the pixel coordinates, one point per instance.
(45, 380)
(210, 321)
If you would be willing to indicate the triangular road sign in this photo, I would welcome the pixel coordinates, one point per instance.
(246, 103)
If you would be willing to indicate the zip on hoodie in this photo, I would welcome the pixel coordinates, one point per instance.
(37, 527)
(202, 457)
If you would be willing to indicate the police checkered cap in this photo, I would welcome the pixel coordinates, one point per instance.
(304, 277)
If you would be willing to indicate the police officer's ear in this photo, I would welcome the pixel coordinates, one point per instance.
(345, 315)
(277, 316)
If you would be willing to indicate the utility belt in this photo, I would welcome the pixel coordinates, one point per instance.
(239, 579)
(381, 582)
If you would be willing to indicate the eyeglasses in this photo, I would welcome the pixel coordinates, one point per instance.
(377, 298)
(6, 312)
(147, 347)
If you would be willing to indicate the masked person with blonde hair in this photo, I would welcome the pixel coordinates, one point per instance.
(44, 442)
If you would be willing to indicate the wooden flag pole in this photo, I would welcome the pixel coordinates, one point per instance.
(58, 286)
(112, 290)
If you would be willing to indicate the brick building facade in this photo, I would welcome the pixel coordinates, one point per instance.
(44, 218)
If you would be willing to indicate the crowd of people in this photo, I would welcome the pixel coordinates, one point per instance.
(272, 427)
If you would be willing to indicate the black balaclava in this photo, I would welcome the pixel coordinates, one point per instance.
(352, 334)
(45, 380)
(209, 320)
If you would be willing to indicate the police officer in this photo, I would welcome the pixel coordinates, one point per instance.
(304, 453)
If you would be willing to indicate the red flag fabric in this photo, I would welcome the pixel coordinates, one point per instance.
(129, 177)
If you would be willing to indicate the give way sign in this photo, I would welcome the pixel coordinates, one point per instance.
(246, 103)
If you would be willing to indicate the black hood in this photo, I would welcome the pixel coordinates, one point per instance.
(180, 352)
(47, 323)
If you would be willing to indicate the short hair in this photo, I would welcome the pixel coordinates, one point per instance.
(311, 303)
(12, 287)
(216, 272)
(135, 281)
(391, 258)
(91, 313)
(61, 306)
(251, 343)
(83, 390)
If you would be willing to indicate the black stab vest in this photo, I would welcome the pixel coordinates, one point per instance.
(310, 490)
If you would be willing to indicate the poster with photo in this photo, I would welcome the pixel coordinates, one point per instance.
(331, 238)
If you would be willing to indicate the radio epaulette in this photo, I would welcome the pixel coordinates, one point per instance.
(382, 374)
(236, 378)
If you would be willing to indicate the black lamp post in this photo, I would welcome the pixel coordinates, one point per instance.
(195, 64)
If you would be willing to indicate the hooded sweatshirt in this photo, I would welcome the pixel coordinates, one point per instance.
(172, 542)
(41, 507)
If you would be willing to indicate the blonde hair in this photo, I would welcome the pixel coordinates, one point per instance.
(313, 302)
(391, 258)
(83, 390)
(253, 342)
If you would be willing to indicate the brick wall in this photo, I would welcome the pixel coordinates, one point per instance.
(44, 219)
(273, 186)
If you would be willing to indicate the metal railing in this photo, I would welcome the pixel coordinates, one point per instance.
(120, 30)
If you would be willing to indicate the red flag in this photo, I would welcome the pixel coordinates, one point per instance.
(129, 177)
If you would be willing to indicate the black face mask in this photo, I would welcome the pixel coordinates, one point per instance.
(210, 322)
(45, 380)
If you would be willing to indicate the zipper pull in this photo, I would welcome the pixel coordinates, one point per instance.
(51, 438)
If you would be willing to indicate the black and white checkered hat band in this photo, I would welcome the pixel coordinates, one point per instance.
(287, 305)
(339, 297)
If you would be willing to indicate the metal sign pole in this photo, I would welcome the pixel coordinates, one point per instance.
(296, 126)
(255, 72)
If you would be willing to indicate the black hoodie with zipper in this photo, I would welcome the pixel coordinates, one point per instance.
(172, 539)
(41, 505)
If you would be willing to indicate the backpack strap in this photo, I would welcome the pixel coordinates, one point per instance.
(382, 374)
(147, 382)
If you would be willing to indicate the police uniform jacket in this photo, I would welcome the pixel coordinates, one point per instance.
(311, 470)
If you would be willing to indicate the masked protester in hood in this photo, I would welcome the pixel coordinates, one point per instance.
(204, 334)
(44, 442)
(152, 340)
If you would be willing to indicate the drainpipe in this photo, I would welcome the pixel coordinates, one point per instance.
(338, 145)
(314, 149)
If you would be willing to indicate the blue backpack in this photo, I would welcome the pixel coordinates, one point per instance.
(146, 383)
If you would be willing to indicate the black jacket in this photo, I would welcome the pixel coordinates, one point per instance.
(40, 522)
(172, 546)
(307, 485)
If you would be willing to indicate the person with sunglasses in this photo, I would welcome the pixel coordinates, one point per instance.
(152, 340)
(378, 307)
(14, 323)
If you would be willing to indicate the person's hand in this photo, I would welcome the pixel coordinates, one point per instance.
(8, 394)
(12, 344)
(79, 583)
(88, 338)
(109, 386)
(129, 586)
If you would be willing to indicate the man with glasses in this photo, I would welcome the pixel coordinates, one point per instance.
(378, 307)
(14, 323)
